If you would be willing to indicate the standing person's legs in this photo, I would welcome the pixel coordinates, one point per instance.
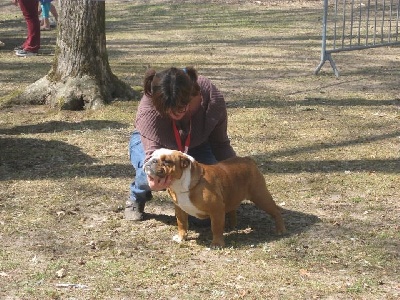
(45, 16)
(139, 190)
(29, 9)
(53, 11)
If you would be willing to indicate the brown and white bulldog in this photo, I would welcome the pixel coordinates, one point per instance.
(212, 190)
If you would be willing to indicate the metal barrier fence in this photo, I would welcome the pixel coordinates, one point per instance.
(355, 24)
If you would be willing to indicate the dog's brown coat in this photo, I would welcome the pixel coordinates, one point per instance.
(216, 190)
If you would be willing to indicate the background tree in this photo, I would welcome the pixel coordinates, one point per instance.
(80, 77)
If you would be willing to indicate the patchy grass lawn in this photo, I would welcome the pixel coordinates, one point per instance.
(329, 149)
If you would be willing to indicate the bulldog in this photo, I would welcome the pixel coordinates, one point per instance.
(212, 191)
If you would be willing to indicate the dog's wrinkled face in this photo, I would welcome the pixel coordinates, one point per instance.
(165, 162)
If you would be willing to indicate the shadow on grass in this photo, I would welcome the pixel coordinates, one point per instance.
(28, 158)
(320, 102)
(323, 146)
(60, 126)
(327, 166)
(254, 226)
(33, 159)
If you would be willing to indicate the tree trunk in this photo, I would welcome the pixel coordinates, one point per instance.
(80, 77)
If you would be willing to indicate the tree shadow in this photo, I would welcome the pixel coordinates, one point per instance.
(329, 166)
(324, 146)
(59, 126)
(320, 102)
(28, 159)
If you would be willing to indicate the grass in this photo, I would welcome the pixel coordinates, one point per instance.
(328, 147)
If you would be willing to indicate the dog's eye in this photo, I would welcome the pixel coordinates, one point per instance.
(168, 162)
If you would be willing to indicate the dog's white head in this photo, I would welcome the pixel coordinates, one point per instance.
(166, 162)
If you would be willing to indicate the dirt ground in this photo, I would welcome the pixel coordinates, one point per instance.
(328, 147)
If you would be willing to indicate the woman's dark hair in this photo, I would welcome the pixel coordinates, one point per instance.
(171, 89)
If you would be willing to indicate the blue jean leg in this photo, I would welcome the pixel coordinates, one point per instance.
(139, 189)
(203, 154)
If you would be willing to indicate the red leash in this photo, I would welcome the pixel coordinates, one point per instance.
(181, 147)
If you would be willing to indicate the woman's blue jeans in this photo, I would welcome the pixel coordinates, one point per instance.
(140, 190)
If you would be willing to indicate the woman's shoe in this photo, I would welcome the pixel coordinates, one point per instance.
(134, 211)
(24, 53)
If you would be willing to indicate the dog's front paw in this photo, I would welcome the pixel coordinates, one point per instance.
(177, 238)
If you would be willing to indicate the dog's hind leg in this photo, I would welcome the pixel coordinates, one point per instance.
(263, 200)
(232, 219)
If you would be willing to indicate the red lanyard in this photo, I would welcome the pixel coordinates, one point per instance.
(178, 137)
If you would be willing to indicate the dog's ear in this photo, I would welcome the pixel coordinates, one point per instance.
(185, 162)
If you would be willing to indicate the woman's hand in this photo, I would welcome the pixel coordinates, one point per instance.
(158, 184)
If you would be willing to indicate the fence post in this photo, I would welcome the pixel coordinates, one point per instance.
(324, 54)
(362, 29)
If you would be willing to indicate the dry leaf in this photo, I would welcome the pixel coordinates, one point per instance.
(304, 272)
(61, 273)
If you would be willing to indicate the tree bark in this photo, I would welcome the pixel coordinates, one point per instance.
(81, 77)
